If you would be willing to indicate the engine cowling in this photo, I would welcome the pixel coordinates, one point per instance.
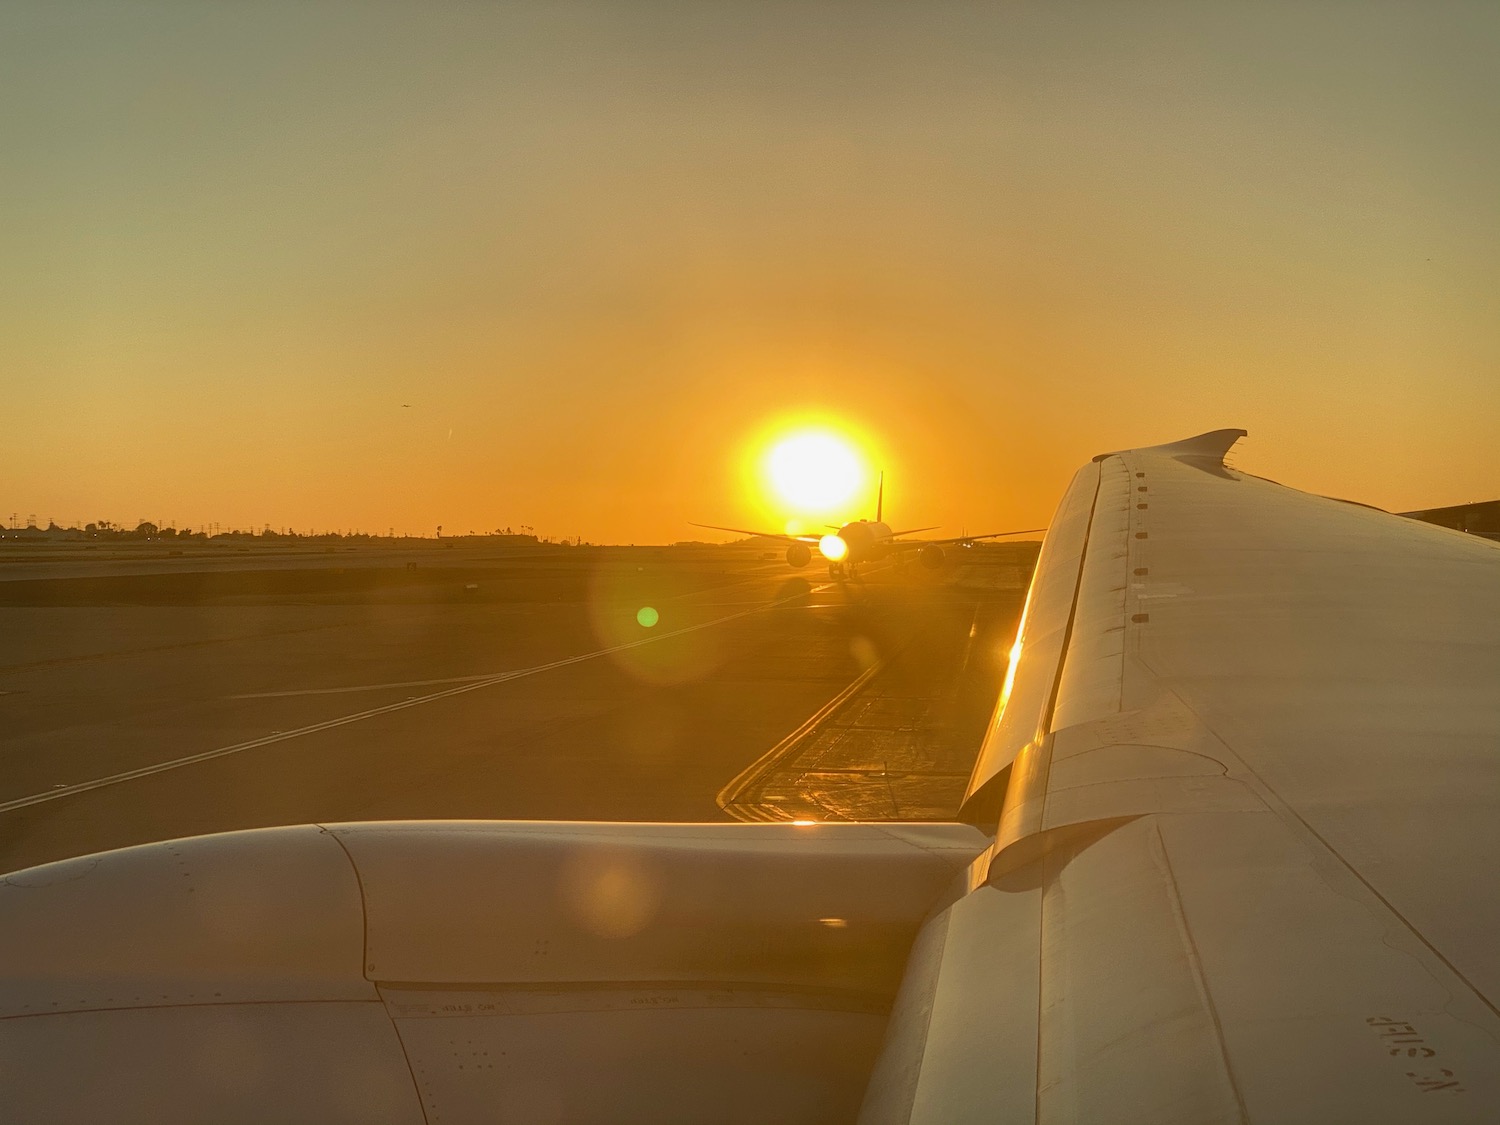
(932, 557)
(798, 555)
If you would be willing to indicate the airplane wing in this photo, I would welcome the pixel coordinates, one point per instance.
(1243, 787)
(1247, 776)
(762, 534)
(912, 531)
(951, 540)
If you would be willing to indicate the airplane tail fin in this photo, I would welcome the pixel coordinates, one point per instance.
(880, 500)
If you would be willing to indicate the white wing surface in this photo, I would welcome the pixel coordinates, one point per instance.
(1246, 869)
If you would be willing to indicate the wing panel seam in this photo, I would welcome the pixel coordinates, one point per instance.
(1196, 962)
(364, 953)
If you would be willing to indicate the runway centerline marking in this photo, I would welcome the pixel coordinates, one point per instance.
(359, 716)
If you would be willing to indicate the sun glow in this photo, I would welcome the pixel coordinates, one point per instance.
(814, 471)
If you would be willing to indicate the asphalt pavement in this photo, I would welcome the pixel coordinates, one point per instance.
(614, 684)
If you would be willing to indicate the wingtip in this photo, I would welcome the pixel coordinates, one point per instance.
(1212, 447)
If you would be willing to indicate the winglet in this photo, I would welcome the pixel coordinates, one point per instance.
(1204, 451)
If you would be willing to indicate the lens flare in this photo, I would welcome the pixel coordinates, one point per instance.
(833, 548)
(647, 617)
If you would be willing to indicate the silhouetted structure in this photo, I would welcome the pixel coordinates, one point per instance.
(1481, 518)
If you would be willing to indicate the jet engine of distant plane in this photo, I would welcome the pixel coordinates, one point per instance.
(798, 555)
(932, 557)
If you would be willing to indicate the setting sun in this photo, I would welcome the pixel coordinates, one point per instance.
(814, 471)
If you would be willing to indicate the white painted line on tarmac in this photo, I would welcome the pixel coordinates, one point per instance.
(358, 716)
(733, 797)
(487, 677)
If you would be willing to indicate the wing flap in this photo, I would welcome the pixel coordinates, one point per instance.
(1127, 1031)
(974, 966)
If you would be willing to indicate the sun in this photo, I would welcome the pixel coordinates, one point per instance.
(814, 470)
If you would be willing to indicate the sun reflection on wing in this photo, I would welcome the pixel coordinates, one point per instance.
(1014, 662)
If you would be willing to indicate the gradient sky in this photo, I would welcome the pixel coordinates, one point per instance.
(601, 248)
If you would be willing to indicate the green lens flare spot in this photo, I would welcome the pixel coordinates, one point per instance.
(646, 617)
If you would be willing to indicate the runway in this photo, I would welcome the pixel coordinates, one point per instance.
(511, 686)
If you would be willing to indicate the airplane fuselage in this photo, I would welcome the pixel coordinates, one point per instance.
(862, 541)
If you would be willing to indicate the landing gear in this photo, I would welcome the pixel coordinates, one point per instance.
(841, 570)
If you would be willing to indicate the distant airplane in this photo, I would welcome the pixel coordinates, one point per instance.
(862, 541)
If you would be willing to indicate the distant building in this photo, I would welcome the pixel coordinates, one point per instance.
(1481, 518)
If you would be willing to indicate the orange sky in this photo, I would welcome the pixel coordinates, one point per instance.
(600, 247)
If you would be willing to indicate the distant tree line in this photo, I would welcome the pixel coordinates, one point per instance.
(147, 531)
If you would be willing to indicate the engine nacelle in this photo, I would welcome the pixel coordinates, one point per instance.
(932, 557)
(799, 554)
